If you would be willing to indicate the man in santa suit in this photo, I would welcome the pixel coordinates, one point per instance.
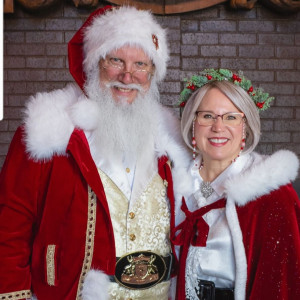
(86, 191)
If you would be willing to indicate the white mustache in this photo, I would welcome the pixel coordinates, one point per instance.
(124, 86)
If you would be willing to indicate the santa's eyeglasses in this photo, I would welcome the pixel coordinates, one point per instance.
(141, 71)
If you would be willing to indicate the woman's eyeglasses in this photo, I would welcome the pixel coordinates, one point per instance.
(207, 118)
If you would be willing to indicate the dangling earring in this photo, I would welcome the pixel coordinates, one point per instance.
(193, 139)
(243, 144)
(243, 139)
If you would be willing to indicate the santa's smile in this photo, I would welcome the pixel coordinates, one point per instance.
(124, 90)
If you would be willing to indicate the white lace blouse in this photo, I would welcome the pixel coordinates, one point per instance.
(215, 262)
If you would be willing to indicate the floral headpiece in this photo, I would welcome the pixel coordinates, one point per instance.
(259, 97)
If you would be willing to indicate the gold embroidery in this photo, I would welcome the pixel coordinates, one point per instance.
(50, 265)
(16, 295)
(89, 242)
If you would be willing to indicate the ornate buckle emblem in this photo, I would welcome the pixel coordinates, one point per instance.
(140, 270)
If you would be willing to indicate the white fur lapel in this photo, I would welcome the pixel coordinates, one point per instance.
(265, 175)
(239, 250)
(47, 122)
(169, 142)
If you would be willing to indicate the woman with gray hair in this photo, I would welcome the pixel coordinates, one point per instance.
(238, 223)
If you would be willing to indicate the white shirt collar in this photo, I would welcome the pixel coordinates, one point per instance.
(218, 184)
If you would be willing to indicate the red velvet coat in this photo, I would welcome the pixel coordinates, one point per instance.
(44, 196)
(51, 208)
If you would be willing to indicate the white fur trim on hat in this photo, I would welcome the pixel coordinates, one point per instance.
(125, 26)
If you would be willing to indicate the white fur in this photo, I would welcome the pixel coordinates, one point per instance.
(47, 123)
(84, 114)
(95, 286)
(239, 251)
(125, 26)
(51, 118)
(267, 175)
(169, 142)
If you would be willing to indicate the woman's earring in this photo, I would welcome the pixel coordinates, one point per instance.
(193, 139)
(243, 139)
(243, 144)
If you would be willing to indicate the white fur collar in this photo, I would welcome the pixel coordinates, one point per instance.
(47, 122)
(267, 173)
(50, 119)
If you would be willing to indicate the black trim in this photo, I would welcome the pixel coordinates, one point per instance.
(208, 291)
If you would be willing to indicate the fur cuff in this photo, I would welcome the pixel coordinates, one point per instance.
(95, 286)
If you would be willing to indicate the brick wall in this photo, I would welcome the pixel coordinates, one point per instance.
(264, 44)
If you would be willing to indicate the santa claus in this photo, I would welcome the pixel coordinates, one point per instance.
(86, 191)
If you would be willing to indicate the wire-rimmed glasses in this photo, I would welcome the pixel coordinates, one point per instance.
(141, 71)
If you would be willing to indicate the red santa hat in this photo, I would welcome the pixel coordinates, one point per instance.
(108, 29)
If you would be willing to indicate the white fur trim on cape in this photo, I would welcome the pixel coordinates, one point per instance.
(95, 286)
(267, 173)
(125, 26)
(261, 178)
(239, 251)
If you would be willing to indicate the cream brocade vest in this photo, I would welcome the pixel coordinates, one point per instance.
(139, 225)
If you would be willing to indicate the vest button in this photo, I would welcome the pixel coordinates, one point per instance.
(132, 237)
(127, 170)
(131, 215)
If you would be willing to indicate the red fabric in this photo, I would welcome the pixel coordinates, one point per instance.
(271, 236)
(51, 208)
(75, 48)
(192, 231)
(164, 171)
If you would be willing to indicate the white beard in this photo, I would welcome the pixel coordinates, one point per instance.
(123, 128)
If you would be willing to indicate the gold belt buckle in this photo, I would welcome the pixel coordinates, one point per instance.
(140, 270)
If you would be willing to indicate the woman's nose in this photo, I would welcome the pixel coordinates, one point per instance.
(218, 124)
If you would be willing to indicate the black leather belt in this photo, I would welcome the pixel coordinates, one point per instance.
(142, 269)
(208, 291)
